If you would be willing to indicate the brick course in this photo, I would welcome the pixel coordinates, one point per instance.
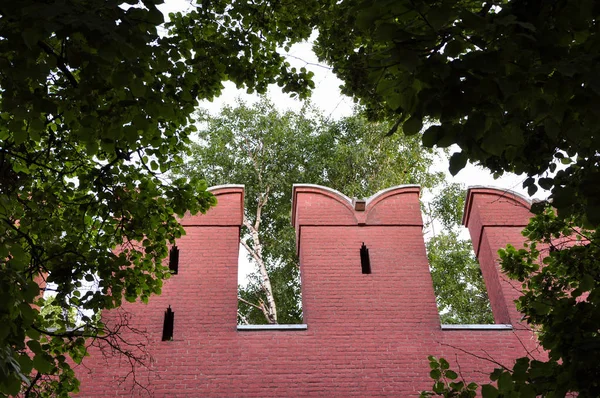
(367, 334)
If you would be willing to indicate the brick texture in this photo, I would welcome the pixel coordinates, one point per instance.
(367, 335)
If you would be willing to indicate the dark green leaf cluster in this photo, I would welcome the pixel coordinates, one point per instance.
(562, 299)
(527, 379)
(560, 274)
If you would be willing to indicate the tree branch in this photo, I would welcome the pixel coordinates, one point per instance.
(32, 384)
(251, 304)
(252, 252)
(60, 62)
(489, 358)
(264, 197)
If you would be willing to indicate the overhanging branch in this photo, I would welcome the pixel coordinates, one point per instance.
(60, 62)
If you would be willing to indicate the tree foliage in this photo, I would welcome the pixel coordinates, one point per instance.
(447, 383)
(562, 300)
(513, 83)
(268, 151)
(56, 314)
(459, 287)
(95, 105)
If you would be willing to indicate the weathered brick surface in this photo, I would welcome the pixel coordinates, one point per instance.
(368, 335)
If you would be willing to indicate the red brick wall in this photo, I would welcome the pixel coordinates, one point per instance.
(367, 334)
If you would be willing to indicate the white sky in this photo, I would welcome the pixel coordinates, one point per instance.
(328, 98)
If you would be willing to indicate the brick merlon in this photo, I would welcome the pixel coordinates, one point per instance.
(493, 207)
(228, 212)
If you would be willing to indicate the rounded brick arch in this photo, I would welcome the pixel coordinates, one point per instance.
(398, 205)
(229, 209)
(323, 205)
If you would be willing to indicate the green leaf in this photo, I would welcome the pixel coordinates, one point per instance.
(527, 391)
(26, 364)
(30, 36)
(587, 282)
(458, 161)
(489, 391)
(520, 369)
(431, 136)
(454, 48)
(435, 374)
(546, 183)
(35, 346)
(412, 126)
(433, 363)
(498, 371)
(155, 17)
(437, 17)
(13, 386)
(471, 20)
(444, 364)
(20, 257)
(450, 374)
(532, 189)
(439, 387)
(41, 364)
(457, 386)
(505, 382)
(552, 128)
(137, 88)
(494, 142)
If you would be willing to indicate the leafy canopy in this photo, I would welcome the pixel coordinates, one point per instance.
(513, 83)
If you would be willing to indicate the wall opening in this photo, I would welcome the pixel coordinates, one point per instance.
(365, 261)
(168, 325)
(174, 260)
(284, 276)
(459, 287)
